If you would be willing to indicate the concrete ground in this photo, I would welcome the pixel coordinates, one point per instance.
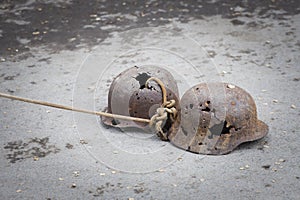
(68, 52)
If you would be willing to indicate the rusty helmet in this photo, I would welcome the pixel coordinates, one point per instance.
(216, 118)
(129, 96)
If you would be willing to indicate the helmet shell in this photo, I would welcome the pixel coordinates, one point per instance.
(129, 96)
(216, 118)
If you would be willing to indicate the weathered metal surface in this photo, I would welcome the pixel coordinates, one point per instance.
(129, 96)
(216, 118)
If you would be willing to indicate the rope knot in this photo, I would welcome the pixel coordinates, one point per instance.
(165, 111)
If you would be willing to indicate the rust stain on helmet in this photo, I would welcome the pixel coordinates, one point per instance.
(129, 96)
(216, 118)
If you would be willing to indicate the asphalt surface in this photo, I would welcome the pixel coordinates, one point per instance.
(68, 52)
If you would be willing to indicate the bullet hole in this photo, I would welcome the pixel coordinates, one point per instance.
(115, 122)
(205, 107)
(222, 128)
(191, 106)
(142, 78)
(226, 128)
(200, 143)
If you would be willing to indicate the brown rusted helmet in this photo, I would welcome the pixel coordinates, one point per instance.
(128, 95)
(216, 118)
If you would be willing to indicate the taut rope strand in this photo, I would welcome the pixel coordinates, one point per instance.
(44, 103)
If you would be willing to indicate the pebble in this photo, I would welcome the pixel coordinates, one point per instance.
(293, 106)
(60, 179)
(245, 167)
(76, 173)
(35, 33)
(102, 174)
(72, 39)
(18, 191)
(73, 185)
(35, 158)
(82, 141)
(230, 86)
(274, 169)
(275, 101)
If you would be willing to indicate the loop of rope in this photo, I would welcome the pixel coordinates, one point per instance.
(166, 109)
(162, 87)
